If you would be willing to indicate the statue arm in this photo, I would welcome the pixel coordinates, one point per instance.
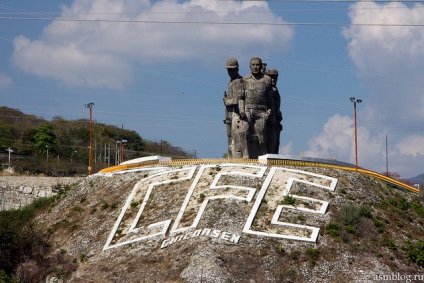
(231, 101)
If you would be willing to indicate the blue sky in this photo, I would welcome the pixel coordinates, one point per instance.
(157, 67)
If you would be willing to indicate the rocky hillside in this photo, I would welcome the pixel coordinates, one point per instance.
(232, 223)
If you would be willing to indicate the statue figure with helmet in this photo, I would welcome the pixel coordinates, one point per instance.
(235, 119)
(252, 110)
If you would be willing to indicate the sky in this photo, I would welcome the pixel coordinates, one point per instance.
(158, 68)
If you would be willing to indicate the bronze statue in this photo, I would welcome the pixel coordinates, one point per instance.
(235, 118)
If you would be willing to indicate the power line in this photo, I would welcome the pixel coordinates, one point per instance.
(210, 22)
(333, 1)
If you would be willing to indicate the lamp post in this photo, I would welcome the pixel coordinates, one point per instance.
(47, 159)
(10, 151)
(354, 100)
(90, 158)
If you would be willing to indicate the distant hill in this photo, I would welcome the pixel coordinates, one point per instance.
(60, 147)
(100, 230)
(417, 180)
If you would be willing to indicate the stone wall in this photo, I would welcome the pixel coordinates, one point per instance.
(17, 191)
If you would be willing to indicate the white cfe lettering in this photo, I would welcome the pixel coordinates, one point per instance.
(216, 190)
(138, 221)
(276, 179)
(144, 187)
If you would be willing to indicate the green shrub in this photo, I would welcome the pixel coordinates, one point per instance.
(78, 208)
(379, 225)
(288, 199)
(104, 205)
(400, 202)
(389, 243)
(313, 254)
(350, 214)
(419, 209)
(415, 252)
(134, 204)
(19, 237)
(333, 229)
(301, 218)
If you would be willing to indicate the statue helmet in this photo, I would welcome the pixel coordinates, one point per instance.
(272, 72)
(231, 63)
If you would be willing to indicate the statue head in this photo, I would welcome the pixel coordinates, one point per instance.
(256, 66)
(232, 63)
(263, 68)
(273, 73)
(233, 67)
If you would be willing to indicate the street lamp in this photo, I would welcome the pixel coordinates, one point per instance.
(90, 159)
(354, 100)
(10, 151)
(47, 159)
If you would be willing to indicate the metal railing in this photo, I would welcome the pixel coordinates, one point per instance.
(271, 162)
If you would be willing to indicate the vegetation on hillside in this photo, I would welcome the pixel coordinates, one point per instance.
(60, 147)
(390, 228)
(25, 251)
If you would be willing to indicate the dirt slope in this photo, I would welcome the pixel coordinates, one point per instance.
(101, 226)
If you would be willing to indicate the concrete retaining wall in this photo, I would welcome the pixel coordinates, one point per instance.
(17, 191)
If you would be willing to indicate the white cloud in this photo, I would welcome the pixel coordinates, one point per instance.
(335, 141)
(390, 62)
(103, 53)
(376, 48)
(412, 146)
(286, 149)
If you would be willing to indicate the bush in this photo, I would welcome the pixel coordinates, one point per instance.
(415, 252)
(333, 229)
(288, 199)
(313, 255)
(350, 214)
(19, 238)
(347, 221)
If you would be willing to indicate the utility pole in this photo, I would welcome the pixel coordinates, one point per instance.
(123, 143)
(118, 153)
(90, 158)
(387, 160)
(354, 100)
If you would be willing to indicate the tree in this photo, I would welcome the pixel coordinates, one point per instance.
(6, 135)
(45, 139)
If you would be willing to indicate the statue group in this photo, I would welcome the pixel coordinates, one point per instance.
(252, 110)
